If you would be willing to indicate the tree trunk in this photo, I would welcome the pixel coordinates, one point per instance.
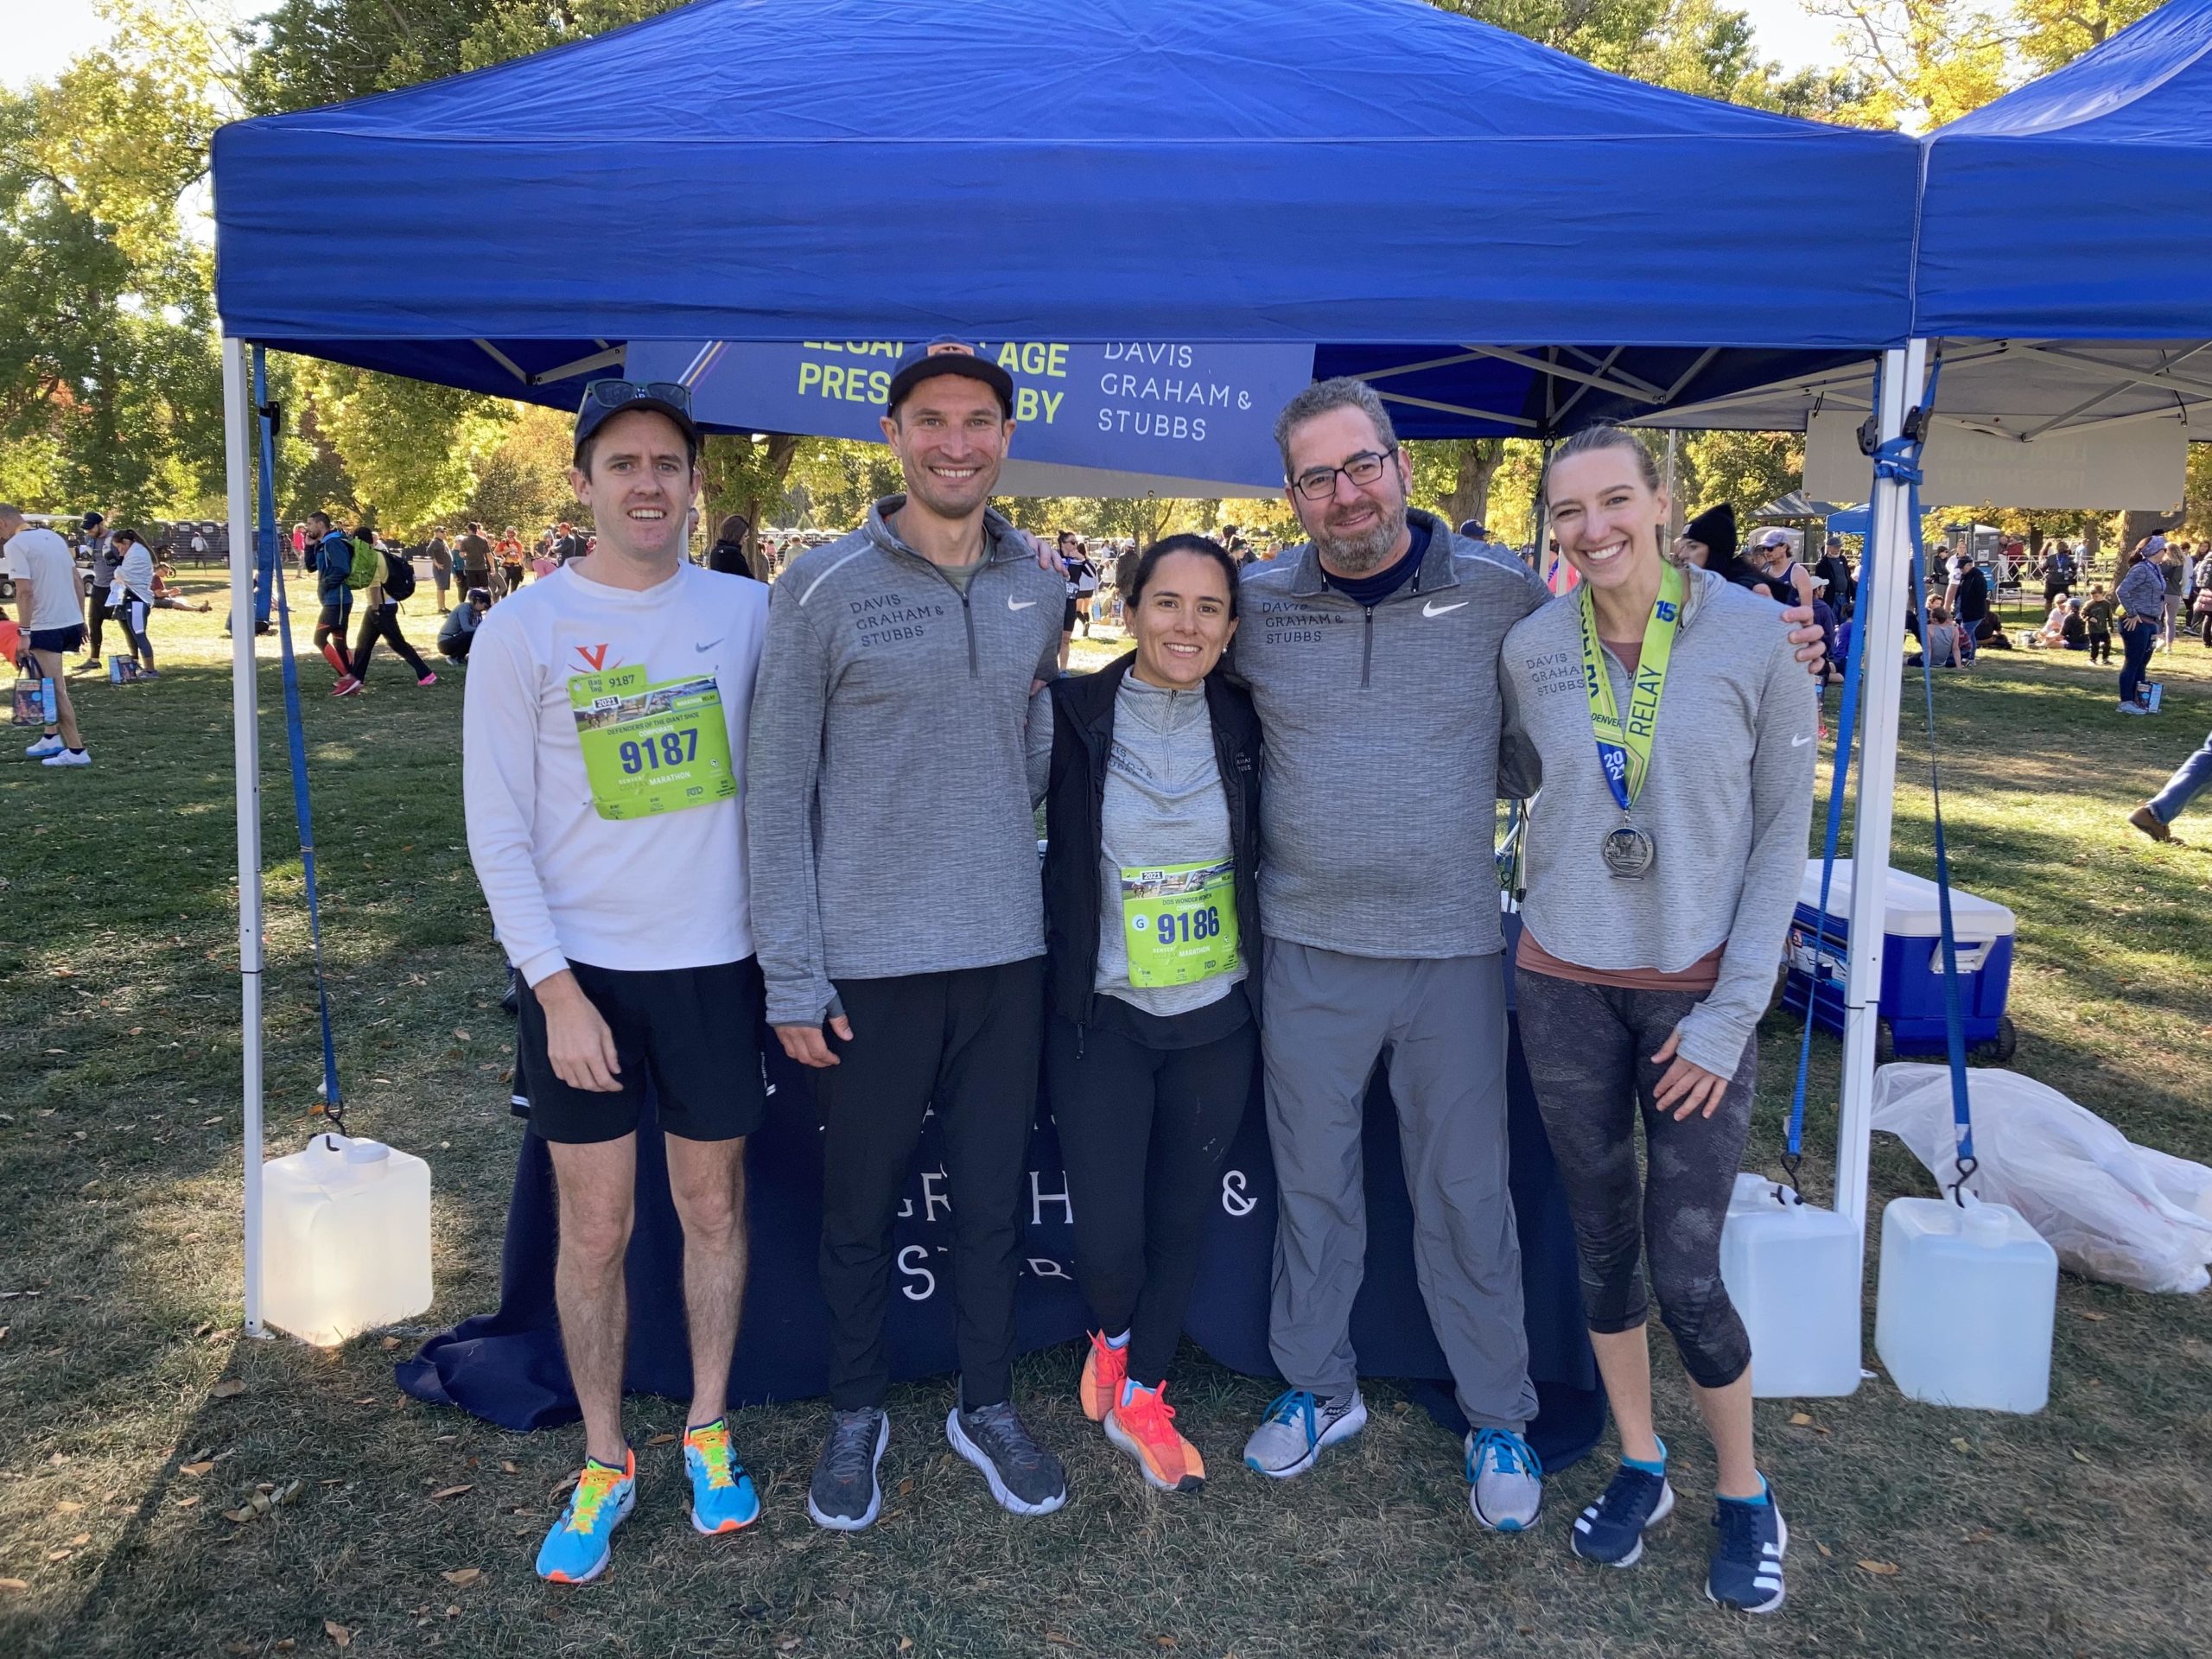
(1470, 495)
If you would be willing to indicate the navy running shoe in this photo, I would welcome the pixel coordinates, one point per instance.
(1746, 1572)
(1611, 1529)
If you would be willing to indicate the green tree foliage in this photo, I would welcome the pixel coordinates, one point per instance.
(524, 481)
(412, 449)
(108, 370)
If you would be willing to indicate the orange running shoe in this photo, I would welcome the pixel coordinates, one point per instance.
(1143, 1425)
(1103, 1368)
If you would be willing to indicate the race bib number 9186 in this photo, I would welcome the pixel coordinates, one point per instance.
(1180, 922)
(651, 749)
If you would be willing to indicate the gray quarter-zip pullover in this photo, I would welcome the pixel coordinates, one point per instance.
(887, 808)
(1726, 801)
(1381, 722)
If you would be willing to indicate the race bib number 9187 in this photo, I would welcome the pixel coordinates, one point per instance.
(650, 749)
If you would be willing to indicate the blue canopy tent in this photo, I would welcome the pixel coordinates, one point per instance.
(1317, 171)
(2078, 207)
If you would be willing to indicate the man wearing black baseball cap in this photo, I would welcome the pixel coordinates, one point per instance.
(604, 769)
(896, 898)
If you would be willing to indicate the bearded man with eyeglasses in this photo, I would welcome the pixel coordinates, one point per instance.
(1371, 654)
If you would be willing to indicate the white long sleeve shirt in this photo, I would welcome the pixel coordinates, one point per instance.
(664, 888)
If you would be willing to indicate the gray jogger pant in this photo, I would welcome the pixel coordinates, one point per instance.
(1441, 1024)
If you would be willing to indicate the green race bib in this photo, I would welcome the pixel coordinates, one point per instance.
(1180, 922)
(650, 749)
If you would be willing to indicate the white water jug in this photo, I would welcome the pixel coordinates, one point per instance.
(1792, 1270)
(344, 1238)
(1963, 1316)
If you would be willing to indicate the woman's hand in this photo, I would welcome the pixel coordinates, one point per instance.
(1684, 1088)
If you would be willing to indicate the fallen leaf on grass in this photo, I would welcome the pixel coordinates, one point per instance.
(1879, 1569)
(1827, 1555)
(285, 1645)
(451, 1492)
(1981, 1535)
(1959, 1443)
(662, 1440)
(68, 1506)
(787, 1645)
(904, 1643)
(195, 1470)
(391, 1343)
(80, 1540)
(463, 1575)
(2080, 1456)
(59, 1554)
(187, 1502)
(509, 1469)
(2090, 1314)
(229, 1388)
(14, 1586)
(1800, 1420)
(339, 1635)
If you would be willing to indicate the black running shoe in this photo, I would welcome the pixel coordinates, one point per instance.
(1025, 1478)
(845, 1495)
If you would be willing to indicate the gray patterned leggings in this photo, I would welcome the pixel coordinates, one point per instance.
(1589, 1049)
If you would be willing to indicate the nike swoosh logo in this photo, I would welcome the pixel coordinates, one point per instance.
(1799, 742)
(1019, 605)
(1433, 609)
(709, 645)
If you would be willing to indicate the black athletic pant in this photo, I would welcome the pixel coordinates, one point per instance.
(1143, 1132)
(1589, 1049)
(130, 617)
(964, 1042)
(383, 623)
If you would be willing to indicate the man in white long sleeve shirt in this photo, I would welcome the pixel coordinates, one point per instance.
(604, 773)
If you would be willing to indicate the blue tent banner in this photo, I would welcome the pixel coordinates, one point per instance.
(1176, 408)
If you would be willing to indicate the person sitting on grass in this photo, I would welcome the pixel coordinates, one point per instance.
(459, 631)
(1940, 643)
(2052, 634)
(2073, 632)
(166, 599)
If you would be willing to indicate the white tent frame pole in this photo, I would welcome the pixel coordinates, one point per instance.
(1879, 632)
(246, 724)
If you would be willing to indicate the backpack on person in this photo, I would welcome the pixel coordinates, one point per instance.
(399, 577)
(362, 573)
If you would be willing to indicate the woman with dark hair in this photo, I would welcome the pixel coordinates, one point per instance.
(1660, 874)
(1150, 773)
(728, 555)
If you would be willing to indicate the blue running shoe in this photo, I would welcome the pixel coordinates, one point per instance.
(722, 1499)
(1611, 1529)
(576, 1550)
(1296, 1426)
(1746, 1571)
(1505, 1481)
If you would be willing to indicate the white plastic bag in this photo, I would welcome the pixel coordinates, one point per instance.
(2111, 1209)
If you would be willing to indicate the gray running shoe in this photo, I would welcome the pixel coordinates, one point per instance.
(1298, 1424)
(1505, 1480)
(845, 1495)
(1025, 1478)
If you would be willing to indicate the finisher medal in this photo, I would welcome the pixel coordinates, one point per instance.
(1625, 744)
(1629, 852)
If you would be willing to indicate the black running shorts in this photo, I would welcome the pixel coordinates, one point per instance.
(695, 1033)
(60, 641)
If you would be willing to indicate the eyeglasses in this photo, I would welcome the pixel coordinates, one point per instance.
(613, 394)
(1362, 469)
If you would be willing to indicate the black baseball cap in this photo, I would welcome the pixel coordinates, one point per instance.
(605, 400)
(948, 354)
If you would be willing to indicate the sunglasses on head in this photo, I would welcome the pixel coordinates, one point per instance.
(613, 394)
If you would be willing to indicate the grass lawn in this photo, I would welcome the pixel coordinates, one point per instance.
(1915, 1531)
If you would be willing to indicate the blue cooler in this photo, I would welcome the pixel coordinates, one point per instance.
(1911, 1003)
